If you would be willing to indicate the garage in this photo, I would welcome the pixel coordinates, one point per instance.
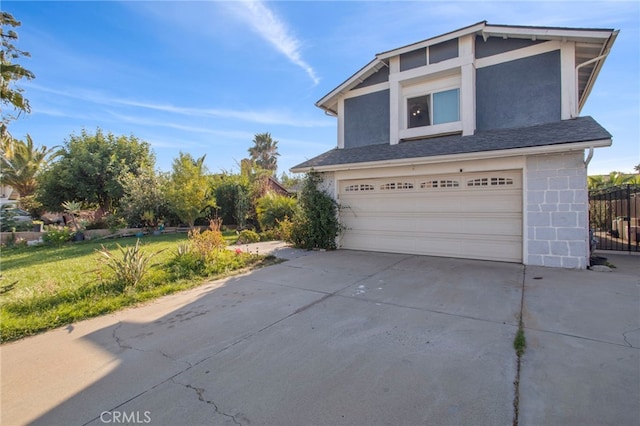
(466, 215)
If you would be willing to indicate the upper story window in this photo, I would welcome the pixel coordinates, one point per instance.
(434, 108)
(431, 107)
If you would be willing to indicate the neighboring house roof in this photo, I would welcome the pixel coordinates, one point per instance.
(577, 133)
(592, 48)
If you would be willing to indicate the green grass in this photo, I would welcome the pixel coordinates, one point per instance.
(45, 287)
(520, 342)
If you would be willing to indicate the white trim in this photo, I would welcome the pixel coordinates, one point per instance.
(545, 33)
(434, 129)
(427, 71)
(340, 123)
(525, 215)
(354, 93)
(568, 81)
(514, 152)
(430, 42)
(512, 55)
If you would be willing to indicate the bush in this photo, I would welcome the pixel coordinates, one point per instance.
(57, 236)
(273, 208)
(248, 236)
(315, 224)
(206, 243)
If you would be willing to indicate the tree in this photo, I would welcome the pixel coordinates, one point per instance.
(90, 167)
(188, 188)
(264, 152)
(144, 193)
(11, 72)
(637, 168)
(21, 162)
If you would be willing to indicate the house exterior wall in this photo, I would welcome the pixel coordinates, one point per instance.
(443, 51)
(519, 93)
(556, 211)
(379, 77)
(366, 119)
(495, 45)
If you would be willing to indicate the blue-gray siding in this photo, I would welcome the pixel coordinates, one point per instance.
(379, 77)
(443, 51)
(495, 45)
(413, 59)
(518, 93)
(366, 119)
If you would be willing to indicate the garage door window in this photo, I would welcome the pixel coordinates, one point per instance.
(493, 181)
(396, 185)
(359, 187)
(440, 184)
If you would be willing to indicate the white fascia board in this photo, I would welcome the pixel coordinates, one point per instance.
(435, 40)
(546, 33)
(371, 68)
(483, 155)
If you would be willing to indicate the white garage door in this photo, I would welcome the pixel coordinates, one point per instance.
(473, 215)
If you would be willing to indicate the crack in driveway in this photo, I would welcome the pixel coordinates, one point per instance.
(200, 392)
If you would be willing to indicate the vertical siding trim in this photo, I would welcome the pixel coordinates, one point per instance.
(568, 80)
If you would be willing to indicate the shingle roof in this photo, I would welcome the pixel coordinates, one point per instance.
(581, 129)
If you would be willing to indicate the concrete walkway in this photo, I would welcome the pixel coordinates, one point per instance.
(347, 337)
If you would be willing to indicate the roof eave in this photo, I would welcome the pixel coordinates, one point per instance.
(482, 155)
(606, 48)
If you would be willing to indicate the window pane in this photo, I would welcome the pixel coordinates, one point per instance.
(418, 111)
(446, 106)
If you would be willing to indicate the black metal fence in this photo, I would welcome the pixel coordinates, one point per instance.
(614, 217)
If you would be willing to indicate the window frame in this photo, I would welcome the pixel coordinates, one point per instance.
(429, 88)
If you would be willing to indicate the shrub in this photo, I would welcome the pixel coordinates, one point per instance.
(273, 208)
(248, 236)
(315, 224)
(57, 236)
(127, 270)
(204, 244)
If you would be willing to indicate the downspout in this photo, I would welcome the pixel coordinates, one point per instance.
(589, 157)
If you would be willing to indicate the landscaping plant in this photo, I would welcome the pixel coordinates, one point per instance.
(127, 269)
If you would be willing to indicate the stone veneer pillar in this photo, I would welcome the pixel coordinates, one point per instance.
(557, 206)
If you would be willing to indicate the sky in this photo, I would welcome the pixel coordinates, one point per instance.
(204, 77)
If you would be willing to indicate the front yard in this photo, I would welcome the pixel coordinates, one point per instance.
(45, 287)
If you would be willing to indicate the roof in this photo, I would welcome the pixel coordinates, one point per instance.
(592, 44)
(557, 136)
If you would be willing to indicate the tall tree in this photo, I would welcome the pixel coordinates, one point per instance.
(188, 189)
(11, 72)
(21, 162)
(264, 152)
(90, 168)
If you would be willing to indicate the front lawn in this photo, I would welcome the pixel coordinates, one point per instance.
(45, 287)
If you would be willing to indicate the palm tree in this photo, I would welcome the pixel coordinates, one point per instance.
(264, 153)
(20, 163)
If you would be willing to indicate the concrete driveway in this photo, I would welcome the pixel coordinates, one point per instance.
(347, 337)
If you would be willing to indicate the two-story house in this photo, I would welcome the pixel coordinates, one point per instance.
(469, 144)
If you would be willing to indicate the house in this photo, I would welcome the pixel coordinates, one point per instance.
(470, 145)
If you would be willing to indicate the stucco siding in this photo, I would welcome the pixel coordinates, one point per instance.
(496, 45)
(366, 119)
(556, 233)
(519, 93)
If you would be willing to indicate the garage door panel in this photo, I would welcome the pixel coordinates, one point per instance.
(480, 222)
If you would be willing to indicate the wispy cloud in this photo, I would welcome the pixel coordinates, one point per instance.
(274, 30)
(260, 117)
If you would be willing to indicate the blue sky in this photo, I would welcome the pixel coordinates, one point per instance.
(204, 77)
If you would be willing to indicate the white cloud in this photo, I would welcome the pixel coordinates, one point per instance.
(260, 117)
(274, 30)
